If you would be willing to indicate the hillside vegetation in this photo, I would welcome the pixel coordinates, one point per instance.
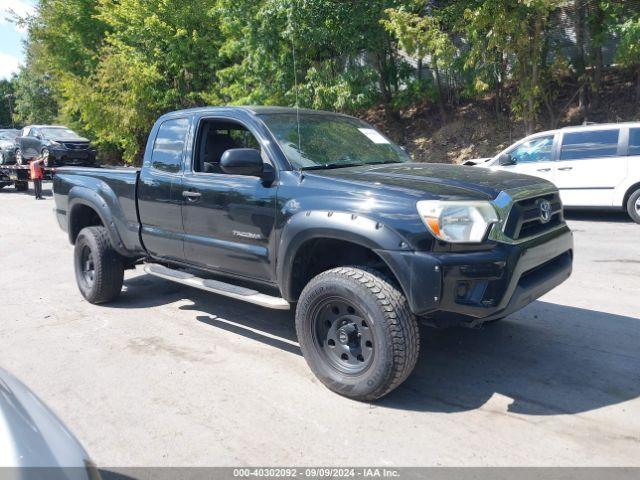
(473, 129)
(451, 79)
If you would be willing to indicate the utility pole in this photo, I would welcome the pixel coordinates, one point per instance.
(9, 96)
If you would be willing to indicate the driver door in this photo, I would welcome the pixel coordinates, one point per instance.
(535, 156)
(228, 220)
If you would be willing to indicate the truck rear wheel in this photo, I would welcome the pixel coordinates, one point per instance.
(21, 186)
(99, 268)
(356, 332)
(633, 206)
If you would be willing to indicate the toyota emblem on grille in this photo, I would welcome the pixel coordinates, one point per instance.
(544, 210)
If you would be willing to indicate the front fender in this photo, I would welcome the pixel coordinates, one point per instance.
(354, 228)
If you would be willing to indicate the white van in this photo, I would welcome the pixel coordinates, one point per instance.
(594, 166)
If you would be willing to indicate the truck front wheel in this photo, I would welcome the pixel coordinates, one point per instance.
(99, 268)
(356, 332)
(21, 186)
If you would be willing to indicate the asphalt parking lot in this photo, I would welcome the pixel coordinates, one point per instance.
(169, 375)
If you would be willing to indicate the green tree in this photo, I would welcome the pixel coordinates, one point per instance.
(35, 101)
(628, 53)
(516, 33)
(6, 102)
(422, 36)
(344, 59)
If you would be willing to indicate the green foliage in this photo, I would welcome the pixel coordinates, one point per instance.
(6, 99)
(628, 52)
(108, 68)
(34, 90)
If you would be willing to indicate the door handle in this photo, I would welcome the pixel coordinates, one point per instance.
(544, 169)
(565, 168)
(189, 195)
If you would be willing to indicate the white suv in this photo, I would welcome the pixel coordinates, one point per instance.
(595, 166)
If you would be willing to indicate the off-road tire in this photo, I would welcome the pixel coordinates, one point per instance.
(394, 331)
(21, 186)
(632, 206)
(107, 266)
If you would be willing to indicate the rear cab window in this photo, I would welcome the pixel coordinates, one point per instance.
(590, 144)
(169, 145)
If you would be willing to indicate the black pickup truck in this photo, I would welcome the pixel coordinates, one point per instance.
(280, 207)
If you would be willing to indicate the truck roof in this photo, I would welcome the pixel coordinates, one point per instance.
(255, 110)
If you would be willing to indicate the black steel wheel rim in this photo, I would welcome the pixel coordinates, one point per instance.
(343, 336)
(87, 266)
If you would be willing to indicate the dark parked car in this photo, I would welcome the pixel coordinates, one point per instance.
(361, 241)
(8, 146)
(58, 146)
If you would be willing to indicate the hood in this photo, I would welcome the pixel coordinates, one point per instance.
(433, 179)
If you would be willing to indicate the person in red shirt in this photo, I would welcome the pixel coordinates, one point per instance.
(37, 173)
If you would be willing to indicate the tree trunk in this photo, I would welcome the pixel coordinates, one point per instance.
(502, 74)
(580, 60)
(535, 75)
(443, 112)
(638, 89)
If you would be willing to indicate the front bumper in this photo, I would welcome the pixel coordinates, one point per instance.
(470, 288)
(68, 157)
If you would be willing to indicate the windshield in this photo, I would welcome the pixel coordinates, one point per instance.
(9, 134)
(59, 132)
(331, 141)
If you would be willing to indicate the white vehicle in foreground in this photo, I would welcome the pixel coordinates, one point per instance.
(594, 166)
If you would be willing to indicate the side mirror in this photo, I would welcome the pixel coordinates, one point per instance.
(242, 161)
(506, 159)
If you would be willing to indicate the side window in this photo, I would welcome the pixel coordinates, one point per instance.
(538, 149)
(634, 141)
(216, 137)
(590, 144)
(25, 132)
(168, 146)
(33, 133)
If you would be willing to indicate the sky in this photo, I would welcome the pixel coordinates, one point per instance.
(11, 37)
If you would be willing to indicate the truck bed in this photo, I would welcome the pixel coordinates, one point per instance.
(112, 190)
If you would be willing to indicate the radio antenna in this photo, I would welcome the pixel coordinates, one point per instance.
(295, 74)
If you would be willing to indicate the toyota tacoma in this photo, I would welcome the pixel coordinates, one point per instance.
(321, 213)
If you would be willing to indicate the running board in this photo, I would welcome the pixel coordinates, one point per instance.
(217, 287)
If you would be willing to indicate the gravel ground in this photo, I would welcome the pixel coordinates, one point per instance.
(168, 375)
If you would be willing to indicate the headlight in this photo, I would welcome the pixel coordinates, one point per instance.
(457, 222)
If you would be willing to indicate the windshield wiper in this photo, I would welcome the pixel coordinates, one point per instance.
(324, 166)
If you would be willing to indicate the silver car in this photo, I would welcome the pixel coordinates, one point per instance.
(32, 437)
